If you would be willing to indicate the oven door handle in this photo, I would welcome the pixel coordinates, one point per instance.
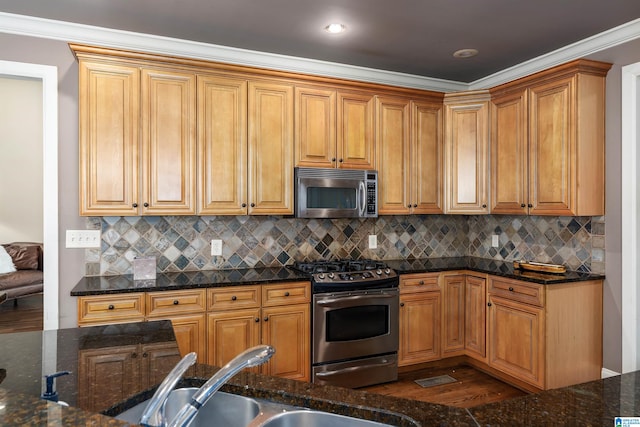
(353, 369)
(342, 301)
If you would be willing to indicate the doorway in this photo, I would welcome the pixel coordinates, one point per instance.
(48, 75)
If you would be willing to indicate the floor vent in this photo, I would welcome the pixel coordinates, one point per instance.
(433, 381)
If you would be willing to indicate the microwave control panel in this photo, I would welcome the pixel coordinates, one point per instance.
(372, 194)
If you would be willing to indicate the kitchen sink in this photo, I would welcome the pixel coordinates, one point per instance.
(232, 410)
(311, 418)
(223, 409)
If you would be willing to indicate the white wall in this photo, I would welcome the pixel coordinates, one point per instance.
(21, 167)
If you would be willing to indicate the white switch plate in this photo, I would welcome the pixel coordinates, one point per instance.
(216, 247)
(494, 241)
(83, 239)
(373, 241)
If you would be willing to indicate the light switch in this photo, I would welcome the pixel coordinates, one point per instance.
(83, 239)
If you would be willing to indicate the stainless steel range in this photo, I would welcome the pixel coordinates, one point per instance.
(355, 322)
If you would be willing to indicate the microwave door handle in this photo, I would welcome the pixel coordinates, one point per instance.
(363, 198)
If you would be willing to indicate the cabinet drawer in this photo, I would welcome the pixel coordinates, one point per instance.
(107, 309)
(528, 293)
(233, 297)
(286, 293)
(175, 302)
(419, 283)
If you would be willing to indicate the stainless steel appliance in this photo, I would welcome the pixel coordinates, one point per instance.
(355, 322)
(335, 193)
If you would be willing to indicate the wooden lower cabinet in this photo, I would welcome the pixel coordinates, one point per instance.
(475, 317)
(230, 332)
(420, 319)
(110, 375)
(453, 325)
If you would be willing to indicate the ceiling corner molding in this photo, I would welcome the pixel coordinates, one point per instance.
(607, 39)
(99, 36)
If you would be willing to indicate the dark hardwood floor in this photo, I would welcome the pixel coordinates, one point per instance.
(26, 316)
(471, 388)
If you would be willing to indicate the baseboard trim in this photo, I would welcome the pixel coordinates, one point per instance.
(606, 373)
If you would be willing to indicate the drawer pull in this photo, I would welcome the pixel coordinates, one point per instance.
(511, 288)
(111, 307)
(233, 298)
(421, 282)
(286, 294)
(176, 302)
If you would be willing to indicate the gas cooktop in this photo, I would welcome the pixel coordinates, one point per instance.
(345, 275)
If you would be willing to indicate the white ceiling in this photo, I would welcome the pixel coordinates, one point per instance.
(415, 37)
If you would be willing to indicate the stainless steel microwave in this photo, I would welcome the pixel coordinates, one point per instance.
(336, 193)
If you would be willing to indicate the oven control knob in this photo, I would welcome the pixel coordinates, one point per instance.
(321, 276)
(379, 272)
(331, 275)
(387, 270)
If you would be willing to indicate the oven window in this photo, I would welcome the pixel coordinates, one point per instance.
(331, 198)
(357, 323)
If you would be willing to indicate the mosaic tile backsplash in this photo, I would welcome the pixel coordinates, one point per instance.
(182, 243)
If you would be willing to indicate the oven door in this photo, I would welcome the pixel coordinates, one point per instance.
(352, 324)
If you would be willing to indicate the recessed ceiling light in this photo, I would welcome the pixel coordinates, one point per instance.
(465, 53)
(335, 28)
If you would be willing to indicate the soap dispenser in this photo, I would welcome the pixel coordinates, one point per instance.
(51, 393)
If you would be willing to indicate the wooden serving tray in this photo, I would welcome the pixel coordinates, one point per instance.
(539, 266)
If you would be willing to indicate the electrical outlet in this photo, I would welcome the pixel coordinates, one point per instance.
(373, 241)
(83, 239)
(494, 241)
(216, 247)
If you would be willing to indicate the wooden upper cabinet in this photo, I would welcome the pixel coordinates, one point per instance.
(466, 152)
(548, 139)
(355, 147)
(270, 149)
(393, 159)
(334, 129)
(427, 158)
(109, 124)
(222, 145)
(168, 142)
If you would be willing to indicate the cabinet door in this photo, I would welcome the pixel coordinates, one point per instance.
(168, 143)
(355, 130)
(509, 155)
(453, 314)
(222, 146)
(466, 142)
(392, 147)
(551, 142)
(158, 359)
(516, 344)
(108, 106)
(475, 317)
(270, 149)
(190, 332)
(287, 328)
(419, 328)
(315, 127)
(427, 158)
(108, 376)
(230, 333)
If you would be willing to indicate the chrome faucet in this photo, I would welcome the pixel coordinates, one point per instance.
(252, 357)
(153, 415)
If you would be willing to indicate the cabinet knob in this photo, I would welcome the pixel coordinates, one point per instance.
(511, 288)
(253, 205)
(244, 205)
(341, 160)
(484, 206)
(266, 318)
(530, 205)
(401, 304)
(145, 355)
(176, 302)
(488, 304)
(134, 355)
(333, 159)
(415, 205)
(145, 204)
(523, 205)
(257, 319)
(286, 294)
(409, 205)
(421, 282)
(111, 307)
(135, 205)
(233, 298)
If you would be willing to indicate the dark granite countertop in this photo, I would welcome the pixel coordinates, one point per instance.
(99, 285)
(26, 357)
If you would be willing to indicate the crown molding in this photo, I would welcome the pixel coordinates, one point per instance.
(605, 40)
(107, 37)
(99, 36)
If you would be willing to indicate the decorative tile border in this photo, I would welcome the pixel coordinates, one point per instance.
(182, 243)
